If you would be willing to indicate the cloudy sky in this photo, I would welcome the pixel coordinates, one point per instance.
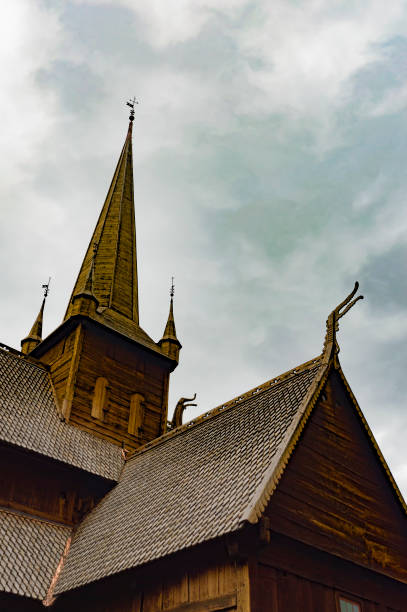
(270, 146)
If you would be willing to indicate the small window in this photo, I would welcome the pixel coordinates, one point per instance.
(136, 414)
(99, 399)
(347, 605)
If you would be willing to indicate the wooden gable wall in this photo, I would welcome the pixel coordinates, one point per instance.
(289, 576)
(335, 494)
(336, 525)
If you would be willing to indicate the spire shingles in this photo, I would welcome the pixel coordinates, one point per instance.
(169, 343)
(114, 262)
(35, 336)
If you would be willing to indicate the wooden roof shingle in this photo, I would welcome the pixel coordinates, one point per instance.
(29, 419)
(192, 485)
(31, 550)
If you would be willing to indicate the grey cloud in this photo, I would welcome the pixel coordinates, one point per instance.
(384, 280)
(79, 89)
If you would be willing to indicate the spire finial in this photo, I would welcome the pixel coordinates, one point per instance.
(46, 288)
(132, 102)
(169, 343)
(35, 336)
(331, 346)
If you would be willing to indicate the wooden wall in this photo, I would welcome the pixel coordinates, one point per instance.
(189, 582)
(282, 576)
(289, 576)
(45, 488)
(90, 352)
(335, 495)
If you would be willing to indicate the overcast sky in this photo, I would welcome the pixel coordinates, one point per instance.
(270, 147)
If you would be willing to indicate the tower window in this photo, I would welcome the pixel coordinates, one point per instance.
(99, 399)
(136, 414)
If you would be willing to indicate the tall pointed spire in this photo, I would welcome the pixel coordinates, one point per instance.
(35, 336)
(169, 343)
(112, 269)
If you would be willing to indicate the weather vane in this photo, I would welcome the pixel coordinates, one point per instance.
(132, 103)
(46, 287)
(172, 287)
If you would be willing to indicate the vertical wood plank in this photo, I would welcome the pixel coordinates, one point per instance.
(193, 576)
(213, 586)
(242, 587)
(153, 599)
(226, 578)
(203, 584)
(181, 593)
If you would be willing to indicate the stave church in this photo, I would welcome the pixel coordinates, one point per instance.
(276, 501)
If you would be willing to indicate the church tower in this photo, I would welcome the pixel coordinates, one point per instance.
(109, 376)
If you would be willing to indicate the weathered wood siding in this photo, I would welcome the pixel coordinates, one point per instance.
(44, 488)
(289, 576)
(89, 353)
(188, 583)
(335, 495)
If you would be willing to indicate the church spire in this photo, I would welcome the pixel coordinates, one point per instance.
(169, 343)
(35, 336)
(109, 272)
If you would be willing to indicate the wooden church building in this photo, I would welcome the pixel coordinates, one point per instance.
(277, 501)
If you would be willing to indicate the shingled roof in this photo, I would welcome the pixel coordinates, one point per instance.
(29, 419)
(196, 483)
(31, 551)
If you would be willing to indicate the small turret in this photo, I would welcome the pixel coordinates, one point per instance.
(35, 336)
(169, 343)
(85, 302)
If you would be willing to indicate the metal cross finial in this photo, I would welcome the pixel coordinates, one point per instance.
(46, 287)
(172, 290)
(132, 102)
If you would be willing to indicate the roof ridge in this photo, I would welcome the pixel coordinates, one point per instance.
(209, 414)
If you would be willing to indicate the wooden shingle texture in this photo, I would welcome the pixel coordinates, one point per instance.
(192, 485)
(31, 550)
(29, 419)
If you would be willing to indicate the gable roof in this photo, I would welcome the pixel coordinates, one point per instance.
(200, 481)
(29, 419)
(193, 484)
(31, 551)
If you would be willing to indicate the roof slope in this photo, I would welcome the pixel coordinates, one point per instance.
(192, 485)
(31, 551)
(29, 419)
